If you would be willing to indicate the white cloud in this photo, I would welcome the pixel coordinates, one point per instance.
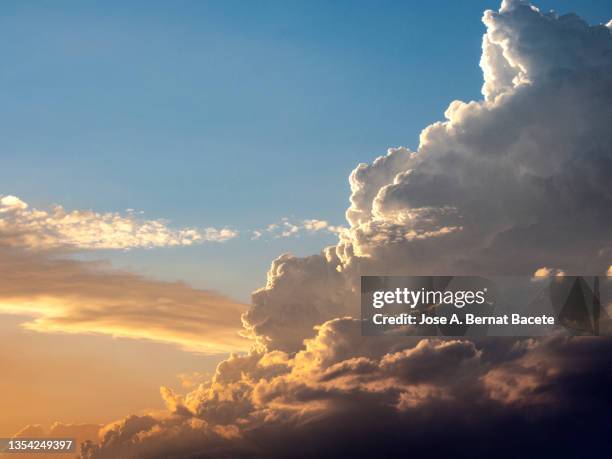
(505, 185)
(11, 204)
(315, 225)
(287, 227)
(22, 226)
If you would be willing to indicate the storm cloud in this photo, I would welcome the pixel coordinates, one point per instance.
(509, 184)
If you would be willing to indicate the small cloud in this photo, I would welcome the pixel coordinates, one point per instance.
(315, 225)
(544, 273)
(219, 235)
(11, 203)
(289, 228)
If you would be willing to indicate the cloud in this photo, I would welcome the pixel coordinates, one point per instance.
(289, 228)
(193, 379)
(57, 228)
(515, 182)
(519, 180)
(281, 319)
(343, 393)
(544, 273)
(70, 296)
(61, 295)
(315, 225)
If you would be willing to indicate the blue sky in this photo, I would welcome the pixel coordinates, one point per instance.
(225, 113)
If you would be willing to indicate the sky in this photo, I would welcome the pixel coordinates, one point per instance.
(159, 161)
(224, 114)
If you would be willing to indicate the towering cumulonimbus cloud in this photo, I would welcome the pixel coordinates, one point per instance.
(517, 181)
(506, 185)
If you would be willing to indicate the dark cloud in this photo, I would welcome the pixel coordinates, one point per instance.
(503, 396)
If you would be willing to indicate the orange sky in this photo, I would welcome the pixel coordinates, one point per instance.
(84, 378)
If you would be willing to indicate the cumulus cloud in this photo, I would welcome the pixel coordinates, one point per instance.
(281, 318)
(518, 181)
(505, 185)
(22, 226)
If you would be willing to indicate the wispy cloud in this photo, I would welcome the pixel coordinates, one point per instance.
(22, 226)
(70, 296)
(56, 228)
(287, 227)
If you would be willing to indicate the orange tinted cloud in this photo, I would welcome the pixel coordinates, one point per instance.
(71, 296)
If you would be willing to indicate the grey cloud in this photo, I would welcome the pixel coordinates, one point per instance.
(442, 388)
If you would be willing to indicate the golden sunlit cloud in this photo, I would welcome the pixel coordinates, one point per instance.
(71, 296)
